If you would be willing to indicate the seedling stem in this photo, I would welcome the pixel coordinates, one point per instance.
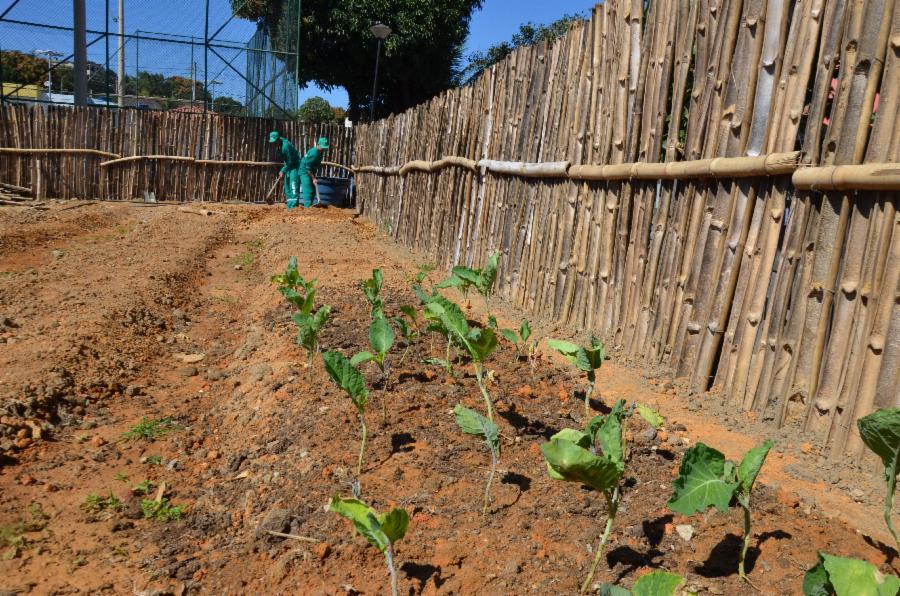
(362, 445)
(612, 507)
(479, 376)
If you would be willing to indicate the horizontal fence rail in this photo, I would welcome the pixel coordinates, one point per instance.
(100, 153)
(698, 183)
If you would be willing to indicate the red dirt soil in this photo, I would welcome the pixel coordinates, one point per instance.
(96, 301)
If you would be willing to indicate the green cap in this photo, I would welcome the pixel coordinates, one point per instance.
(273, 136)
(323, 143)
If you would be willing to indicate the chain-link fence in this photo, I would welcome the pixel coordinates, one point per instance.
(186, 55)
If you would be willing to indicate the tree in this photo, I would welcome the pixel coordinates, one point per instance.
(419, 60)
(64, 79)
(22, 68)
(315, 110)
(228, 106)
(339, 114)
(528, 35)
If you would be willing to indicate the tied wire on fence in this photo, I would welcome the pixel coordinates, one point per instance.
(780, 299)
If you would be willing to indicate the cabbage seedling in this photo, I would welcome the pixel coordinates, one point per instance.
(372, 288)
(655, 583)
(409, 329)
(299, 292)
(482, 280)
(706, 479)
(381, 339)
(586, 359)
(594, 457)
(308, 328)
(839, 576)
(381, 530)
(473, 423)
(478, 343)
(880, 431)
(351, 381)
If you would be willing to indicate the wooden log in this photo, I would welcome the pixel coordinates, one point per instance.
(56, 151)
(871, 176)
(555, 169)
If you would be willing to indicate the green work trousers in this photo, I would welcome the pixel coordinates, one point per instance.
(307, 189)
(291, 187)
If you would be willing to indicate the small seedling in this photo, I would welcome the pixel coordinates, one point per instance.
(463, 278)
(153, 460)
(149, 430)
(308, 328)
(299, 292)
(381, 530)
(12, 537)
(161, 510)
(145, 487)
(839, 576)
(473, 423)
(121, 477)
(478, 343)
(424, 270)
(351, 381)
(381, 340)
(95, 503)
(880, 431)
(586, 359)
(372, 288)
(594, 457)
(408, 325)
(655, 583)
(707, 479)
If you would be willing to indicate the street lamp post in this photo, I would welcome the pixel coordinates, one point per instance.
(212, 93)
(380, 31)
(50, 55)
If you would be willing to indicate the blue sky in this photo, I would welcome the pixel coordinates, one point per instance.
(496, 21)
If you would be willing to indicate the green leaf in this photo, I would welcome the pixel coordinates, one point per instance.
(815, 582)
(652, 417)
(566, 348)
(611, 590)
(880, 431)
(657, 583)
(409, 311)
(438, 362)
(394, 524)
(852, 577)
(492, 322)
(361, 516)
(578, 437)
(361, 358)
(576, 464)
(525, 330)
(471, 276)
(485, 283)
(701, 482)
(591, 357)
(381, 335)
(345, 376)
(751, 465)
(609, 434)
(454, 281)
(480, 343)
(510, 336)
(473, 423)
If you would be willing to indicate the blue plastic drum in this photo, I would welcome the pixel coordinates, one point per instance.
(334, 192)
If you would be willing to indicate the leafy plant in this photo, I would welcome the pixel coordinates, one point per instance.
(424, 270)
(12, 537)
(298, 291)
(655, 583)
(94, 503)
(880, 431)
(308, 328)
(161, 510)
(144, 487)
(121, 476)
(351, 381)
(473, 423)
(381, 340)
(594, 457)
(149, 429)
(706, 479)
(478, 343)
(408, 326)
(372, 288)
(839, 576)
(153, 460)
(381, 530)
(463, 278)
(586, 359)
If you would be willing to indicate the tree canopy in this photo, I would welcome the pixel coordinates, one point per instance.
(315, 110)
(419, 60)
(529, 34)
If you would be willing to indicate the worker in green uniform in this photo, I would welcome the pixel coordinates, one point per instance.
(291, 169)
(309, 165)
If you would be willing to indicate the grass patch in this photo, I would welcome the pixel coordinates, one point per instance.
(144, 487)
(161, 510)
(94, 503)
(153, 460)
(149, 429)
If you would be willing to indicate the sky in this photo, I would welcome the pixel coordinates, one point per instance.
(496, 21)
